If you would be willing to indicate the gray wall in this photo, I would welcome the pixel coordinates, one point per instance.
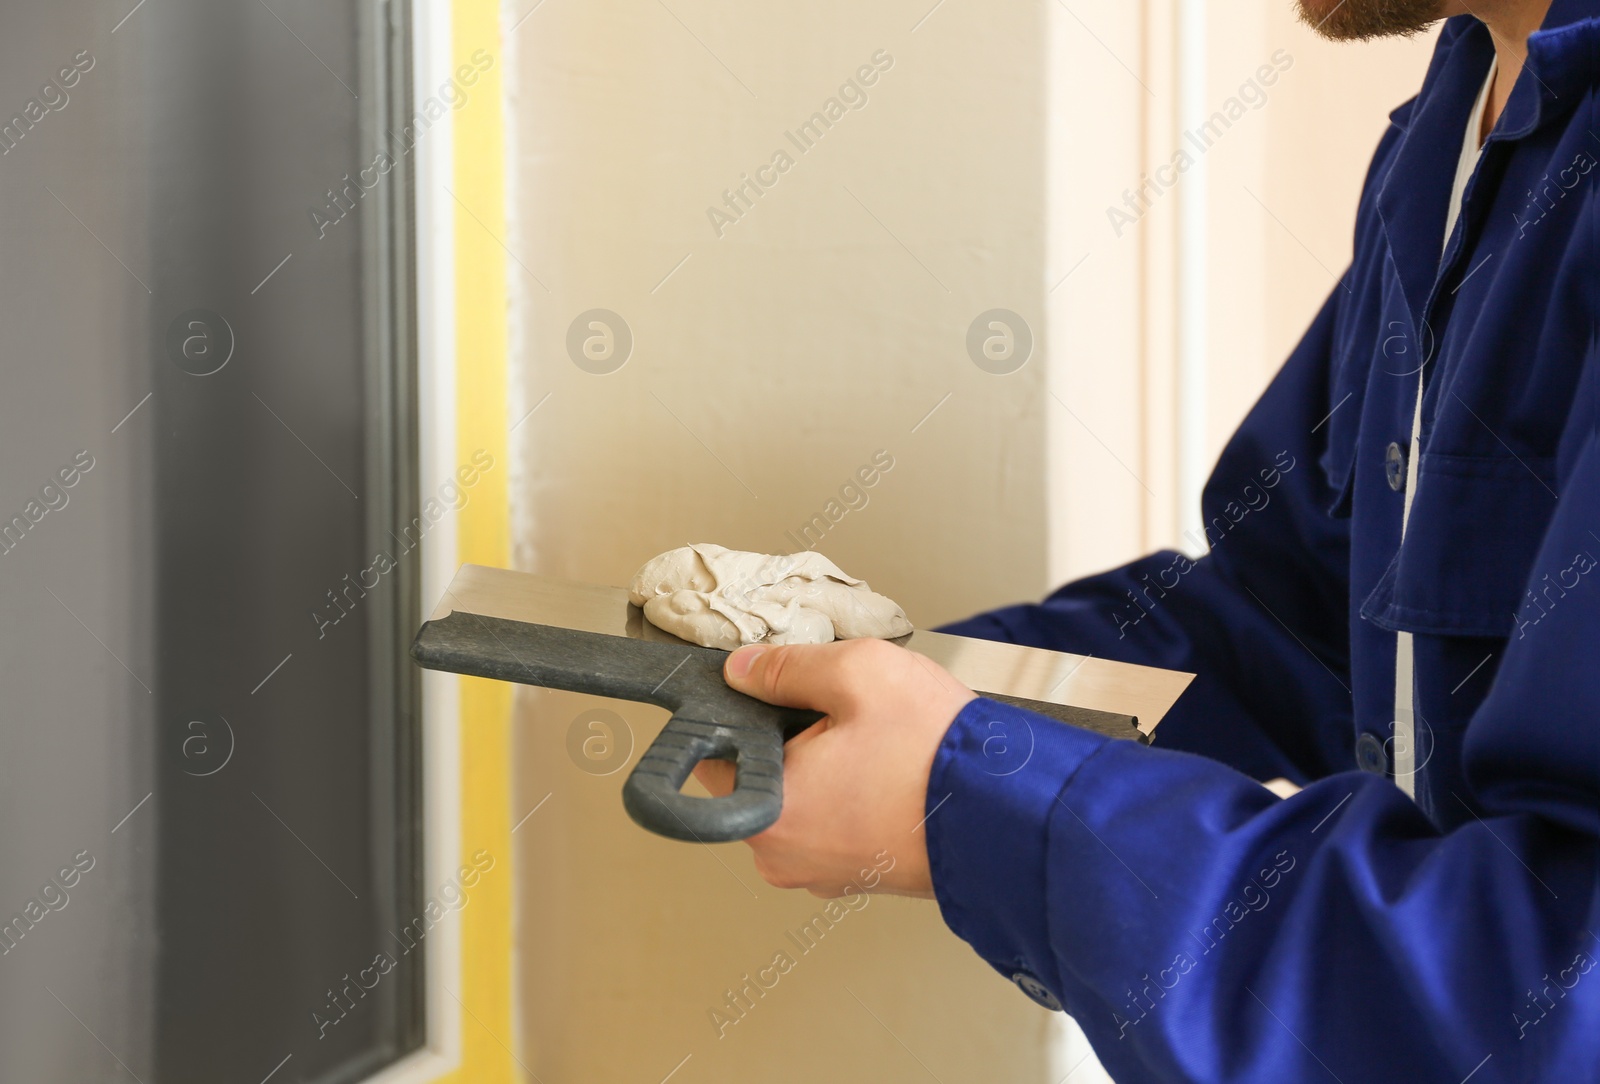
(139, 618)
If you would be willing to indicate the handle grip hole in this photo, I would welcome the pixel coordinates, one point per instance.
(722, 772)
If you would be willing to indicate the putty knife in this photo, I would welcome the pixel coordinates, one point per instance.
(534, 630)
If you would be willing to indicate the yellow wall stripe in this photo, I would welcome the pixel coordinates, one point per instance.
(483, 526)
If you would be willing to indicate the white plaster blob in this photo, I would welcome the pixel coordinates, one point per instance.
(717, 597)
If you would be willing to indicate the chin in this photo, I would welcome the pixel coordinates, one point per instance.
(1363, 20)
(1314, 11)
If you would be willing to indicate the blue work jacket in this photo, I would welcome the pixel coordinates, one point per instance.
(1198, 927)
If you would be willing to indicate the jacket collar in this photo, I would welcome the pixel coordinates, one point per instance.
(1563, 60)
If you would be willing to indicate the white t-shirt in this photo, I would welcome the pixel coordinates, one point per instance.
(1471, 149)
(1405, 729)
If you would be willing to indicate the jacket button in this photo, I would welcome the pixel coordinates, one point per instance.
(1370, 756)
(1394, 465)
(1036, 990)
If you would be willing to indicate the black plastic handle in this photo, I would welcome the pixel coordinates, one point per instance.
(652, 798)
(709, 719)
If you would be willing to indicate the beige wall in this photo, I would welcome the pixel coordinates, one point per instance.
(819, 329)
(1251, 239)
(1275, 255)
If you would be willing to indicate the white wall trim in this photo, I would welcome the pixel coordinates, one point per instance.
(1095, 470)
(1194, 462)
(436, 405)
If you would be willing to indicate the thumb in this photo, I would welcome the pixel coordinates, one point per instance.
(822, 677)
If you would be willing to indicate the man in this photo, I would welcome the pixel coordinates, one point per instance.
(1407, 623)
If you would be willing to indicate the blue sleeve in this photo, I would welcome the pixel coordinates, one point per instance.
(1200, 929)
(1271, 596)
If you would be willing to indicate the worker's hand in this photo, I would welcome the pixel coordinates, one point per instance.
(855, 784)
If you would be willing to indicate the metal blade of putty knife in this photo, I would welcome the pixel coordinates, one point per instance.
(557, 634)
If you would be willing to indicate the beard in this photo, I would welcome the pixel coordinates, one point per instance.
(1363, 20)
